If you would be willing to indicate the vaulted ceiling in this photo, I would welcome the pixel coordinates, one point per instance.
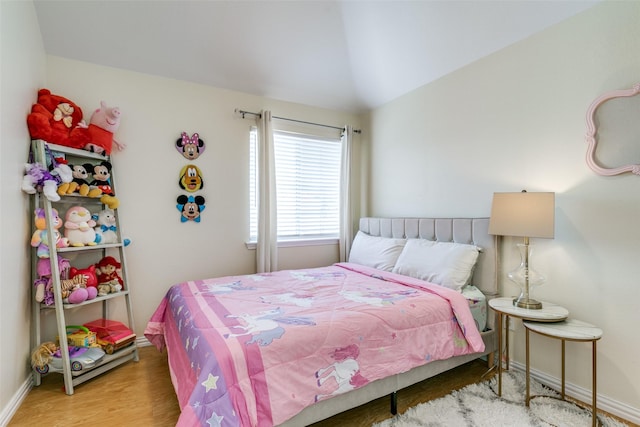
(345, 55)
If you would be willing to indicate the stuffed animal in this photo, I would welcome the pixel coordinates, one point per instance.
(81, 174)
(41, 356)
(39, 177)
(55, 119)
(89, 275)
(44, 284)
(104, 122)
(109, 280)
(101, 176)
(106, 227)
(112, 202)
(75, 290)
(40, 237)
(78, 227)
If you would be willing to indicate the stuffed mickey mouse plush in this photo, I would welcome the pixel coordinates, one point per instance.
(190, 207)
(80, 183)
(101, 175)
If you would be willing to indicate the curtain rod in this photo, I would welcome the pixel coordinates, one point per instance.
(243, 113)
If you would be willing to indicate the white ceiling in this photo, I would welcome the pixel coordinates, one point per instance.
(345, 55)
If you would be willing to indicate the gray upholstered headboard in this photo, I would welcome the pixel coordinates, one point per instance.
(459, 230)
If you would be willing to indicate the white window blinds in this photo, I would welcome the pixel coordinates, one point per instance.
(307, 185)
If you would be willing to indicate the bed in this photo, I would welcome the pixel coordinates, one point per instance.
(294, 347)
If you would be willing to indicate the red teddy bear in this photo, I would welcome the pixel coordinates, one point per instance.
(57, 120)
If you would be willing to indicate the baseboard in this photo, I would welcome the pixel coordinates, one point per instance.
(142, 341)
(15, 402)
(582, 394)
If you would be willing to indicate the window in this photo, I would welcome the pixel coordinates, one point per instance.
(307, 186)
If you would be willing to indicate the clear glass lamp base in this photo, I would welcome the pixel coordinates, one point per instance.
(528, 303)
(527, 278)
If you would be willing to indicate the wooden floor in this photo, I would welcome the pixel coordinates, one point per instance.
(141, 394)
(133, 394)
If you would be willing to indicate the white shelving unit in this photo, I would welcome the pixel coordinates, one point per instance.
(38, 200)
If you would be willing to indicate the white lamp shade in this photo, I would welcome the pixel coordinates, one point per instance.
(523, 214)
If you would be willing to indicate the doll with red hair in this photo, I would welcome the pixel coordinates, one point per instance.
(108, 273)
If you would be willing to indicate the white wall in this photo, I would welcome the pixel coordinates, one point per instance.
(516, 120)
(23, 71)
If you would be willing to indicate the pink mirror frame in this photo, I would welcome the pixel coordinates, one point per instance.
(591, 133)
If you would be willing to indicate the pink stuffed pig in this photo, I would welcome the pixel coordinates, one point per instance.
(104, 122)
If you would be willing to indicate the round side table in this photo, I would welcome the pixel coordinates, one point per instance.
(505, 309)
(569, 330)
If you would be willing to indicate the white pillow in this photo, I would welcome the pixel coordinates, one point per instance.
(443, 263)
(377, 252)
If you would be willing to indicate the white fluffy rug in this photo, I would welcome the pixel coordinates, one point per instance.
(478, 405)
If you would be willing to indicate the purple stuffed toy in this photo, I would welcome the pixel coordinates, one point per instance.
(43, 284)
(38, 177)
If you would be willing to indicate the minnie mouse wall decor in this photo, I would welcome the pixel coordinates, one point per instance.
(190, 146)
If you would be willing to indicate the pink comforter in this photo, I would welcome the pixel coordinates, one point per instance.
(255, 350)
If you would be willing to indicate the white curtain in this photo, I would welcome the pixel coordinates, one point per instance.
(267, 239)
(346, 216)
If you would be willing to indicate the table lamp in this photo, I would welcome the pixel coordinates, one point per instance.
(523, 215)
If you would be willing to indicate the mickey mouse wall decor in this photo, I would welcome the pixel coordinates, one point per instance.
(190, 146)
(190, 207)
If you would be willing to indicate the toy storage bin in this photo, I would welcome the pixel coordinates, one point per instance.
(112, 334)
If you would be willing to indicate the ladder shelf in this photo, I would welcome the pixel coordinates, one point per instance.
(82, 254)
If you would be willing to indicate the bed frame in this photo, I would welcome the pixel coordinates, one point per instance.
(460, 230)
